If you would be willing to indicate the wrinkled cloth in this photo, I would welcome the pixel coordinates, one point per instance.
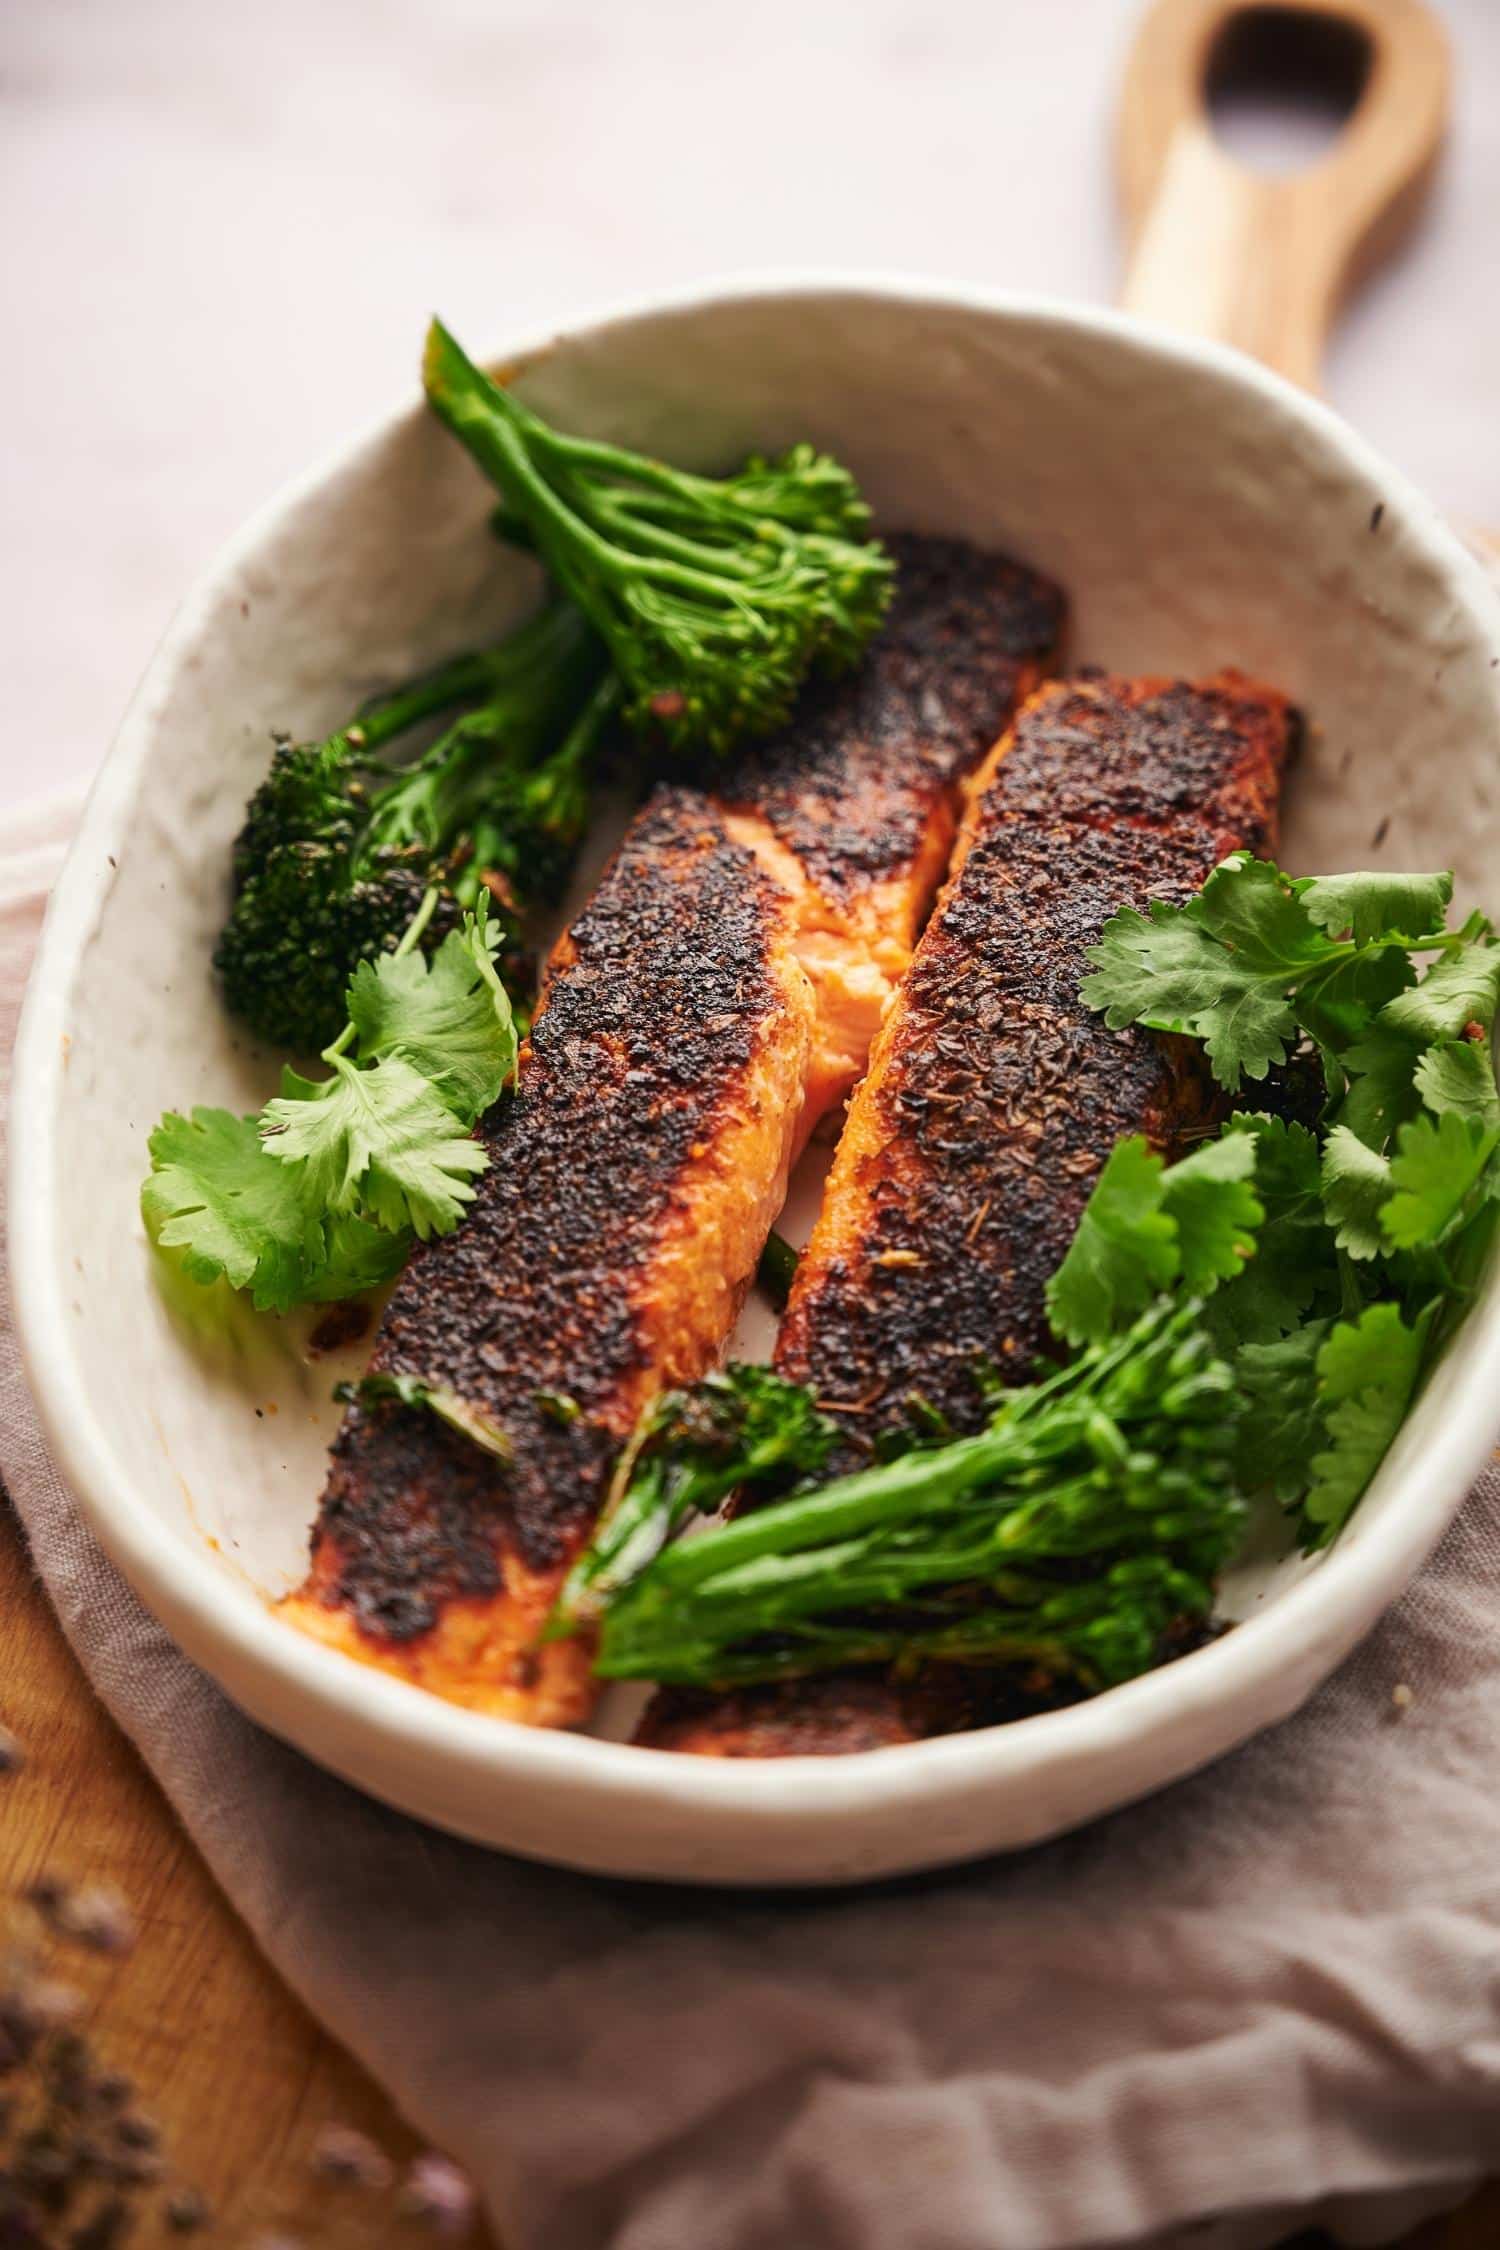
(1272, 1992)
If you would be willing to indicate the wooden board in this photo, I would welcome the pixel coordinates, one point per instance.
(231, 2067)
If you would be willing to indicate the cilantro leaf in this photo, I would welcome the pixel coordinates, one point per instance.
(450, 1018)
(1367, 1372)
(213, 1196)
(1217, 1212)
(1380, 1092)
(1280, 1425)
(1123, 1251)
(1459, 989)
(1459, 1075)
(1169, 971)
(381, 1137)
(1294, 1260)
(1356, 1183)
(1248, 904)
(1146, 1226)
(1377, 905)
(356, 1256)
(1339, 1003)
(1437, 1161)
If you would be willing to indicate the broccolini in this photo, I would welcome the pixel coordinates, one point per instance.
(1092, 1516)
(337, 850)
(716, 597)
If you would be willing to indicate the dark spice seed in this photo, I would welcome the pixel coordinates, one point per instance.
(12, 1756)
(187, 2211)
(106, 2230)
(19, 2032)
(44, 2169)
(339, 2153)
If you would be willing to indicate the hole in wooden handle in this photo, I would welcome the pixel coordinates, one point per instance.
(1280, 84)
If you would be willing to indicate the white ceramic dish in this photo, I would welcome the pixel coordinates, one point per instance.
(1200, 512)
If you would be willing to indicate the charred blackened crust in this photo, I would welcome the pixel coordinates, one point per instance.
(533, 1310)
(850, 787)
(996, 1093)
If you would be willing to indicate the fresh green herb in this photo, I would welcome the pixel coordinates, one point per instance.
(1294, 1269)
(744, 1428)
(1367, 1374)
(1280, 1413)
(1092, 1516)
(777, 1270)
(1145, 1228)
(1356, 1182)
(337, 851)
(1256, 961)
(320, 1197)
(214, 1197)
(388, 1133)
(1378, 1228)
(715, 597)
(435, 1398)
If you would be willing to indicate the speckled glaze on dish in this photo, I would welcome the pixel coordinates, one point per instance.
(1200, 513)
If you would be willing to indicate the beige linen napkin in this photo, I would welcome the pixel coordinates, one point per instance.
(1272, 1992)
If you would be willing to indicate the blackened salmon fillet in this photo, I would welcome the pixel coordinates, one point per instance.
(718, 995)
(993, 1098)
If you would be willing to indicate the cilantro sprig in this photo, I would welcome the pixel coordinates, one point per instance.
(1377, 1227)
(1257, 962)
(322, 1195)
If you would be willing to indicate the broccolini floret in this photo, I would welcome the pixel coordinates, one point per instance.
(338, 850)
(744, 1429)
(716, 597)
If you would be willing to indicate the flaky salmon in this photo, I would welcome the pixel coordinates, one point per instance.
(717, 997)
(993, 1097)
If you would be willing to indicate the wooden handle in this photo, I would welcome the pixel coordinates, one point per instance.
(1259, 260)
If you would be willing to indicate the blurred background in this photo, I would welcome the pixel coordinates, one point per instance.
(222, 230)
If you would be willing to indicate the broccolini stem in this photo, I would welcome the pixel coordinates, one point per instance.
(777, 1269)
(574, 754)
(387, 716)
(546, 647)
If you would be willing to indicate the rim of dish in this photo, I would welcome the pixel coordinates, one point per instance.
(182, 1581)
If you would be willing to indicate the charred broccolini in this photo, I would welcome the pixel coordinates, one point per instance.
(741, 1429)
(1092, 1516)
(338, 850)
(715, 596)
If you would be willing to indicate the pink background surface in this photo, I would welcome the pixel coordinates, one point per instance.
(223, 229)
